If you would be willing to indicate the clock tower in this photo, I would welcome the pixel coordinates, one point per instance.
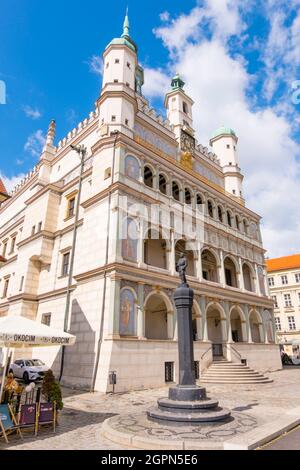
(179, 110)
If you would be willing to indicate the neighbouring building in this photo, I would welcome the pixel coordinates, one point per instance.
(284, 285)
(121, 287)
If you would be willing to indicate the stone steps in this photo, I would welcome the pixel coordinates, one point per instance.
(232, 373)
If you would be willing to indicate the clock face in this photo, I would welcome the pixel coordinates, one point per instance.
(187, 142)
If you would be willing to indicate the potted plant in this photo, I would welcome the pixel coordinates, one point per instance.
(51, 390)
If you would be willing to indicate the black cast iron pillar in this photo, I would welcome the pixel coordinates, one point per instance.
(184, 297)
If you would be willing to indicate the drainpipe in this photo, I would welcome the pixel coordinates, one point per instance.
(116, 133)
(82, 151)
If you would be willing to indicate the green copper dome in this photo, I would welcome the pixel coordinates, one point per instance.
(224, 131)
(125, 39)
(177, 82)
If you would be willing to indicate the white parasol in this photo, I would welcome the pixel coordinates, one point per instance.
(20, 332)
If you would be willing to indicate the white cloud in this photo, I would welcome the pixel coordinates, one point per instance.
(219, 84)
(177, 32)
(281, 55)
(165, 16)
(157, 83)
(35, 143)
(32, 113)
(96, 65)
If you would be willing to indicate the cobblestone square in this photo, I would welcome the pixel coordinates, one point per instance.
(81, 420)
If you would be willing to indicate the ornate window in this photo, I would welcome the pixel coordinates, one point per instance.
(187, 196)
(175, 191)
(210, 209)
(148, 177)
(220, 214)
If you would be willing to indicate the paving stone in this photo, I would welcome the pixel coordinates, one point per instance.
(81, 421)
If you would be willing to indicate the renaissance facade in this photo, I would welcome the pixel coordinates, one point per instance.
(142, 176)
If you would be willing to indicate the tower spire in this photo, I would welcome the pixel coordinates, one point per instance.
(51, 133)
(126, 26)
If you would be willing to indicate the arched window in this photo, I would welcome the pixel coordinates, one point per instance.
(175, 191)
(210, 209)
(237, 222)
(155, 250)
(187, 196)
(209, 266)
(199, 200)
(220, 214)
(148, 177)
(229, 220)
(245, 224)
(230, 273)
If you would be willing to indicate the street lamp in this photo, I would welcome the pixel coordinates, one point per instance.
(81, 151)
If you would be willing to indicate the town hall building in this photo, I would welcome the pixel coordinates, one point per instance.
(91, 236)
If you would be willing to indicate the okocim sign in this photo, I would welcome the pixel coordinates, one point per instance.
(20, 331)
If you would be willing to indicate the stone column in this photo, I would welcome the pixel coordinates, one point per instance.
(172, 267)
(114, 308)
(222, 270)
(244, 331)
(248, 325)
(257, 281)
(140, 312)
(141, 244)
(202, 303)
(226, 307)
(262, 330)
(199, 270)
(170, 324)
(241, 277)
(224, 329)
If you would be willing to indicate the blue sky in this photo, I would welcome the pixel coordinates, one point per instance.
(239, 60)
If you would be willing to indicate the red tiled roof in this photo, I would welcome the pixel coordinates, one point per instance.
(284, 263)
(2, 187)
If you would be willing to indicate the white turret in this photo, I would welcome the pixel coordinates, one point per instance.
(122, 77)
(179, 108)
(224, 143)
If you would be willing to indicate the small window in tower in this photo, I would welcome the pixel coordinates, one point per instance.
(116, 80)
(234, 147)
(228, 146)
(107, 173)
(185, 107)
(233, 191)
(107, 65)
(127, 84)
(126, 122)
(113, 119)
(117, 61)
(128, 65)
